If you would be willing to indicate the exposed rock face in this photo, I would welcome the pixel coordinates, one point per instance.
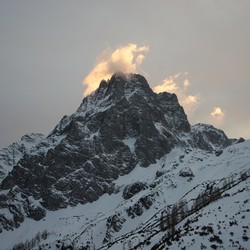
(122, 124)
(11, 155)
(18, 206)
(133, 189)
(114, 224)
(159, 173)
(145, 202)
(208, 137)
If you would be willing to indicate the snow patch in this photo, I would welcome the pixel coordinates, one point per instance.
(130, 142)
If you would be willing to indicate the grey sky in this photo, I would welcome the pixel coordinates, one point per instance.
(48, 47)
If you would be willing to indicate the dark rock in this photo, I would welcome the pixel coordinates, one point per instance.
(160, 173)
(132, 189)
(240, 140)
(114, 224)
(145, 202)
(209, 138)
(218, 152)
(36, 213)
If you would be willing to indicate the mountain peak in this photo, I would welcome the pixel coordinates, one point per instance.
(120, 126)
(120, 85)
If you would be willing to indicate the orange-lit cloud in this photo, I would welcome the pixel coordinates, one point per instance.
(140, 58)
(217, 116)
(168, 85)
(186, 83)
(176, 84)
(217, 112)
(191, 99)
(126, 58)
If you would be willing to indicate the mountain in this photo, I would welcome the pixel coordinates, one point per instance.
(113, 174)
(11, 155)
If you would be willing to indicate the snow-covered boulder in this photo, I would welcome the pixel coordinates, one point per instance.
(186, 172)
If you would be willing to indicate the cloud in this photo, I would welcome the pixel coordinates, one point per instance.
(126, 58)
(140, 58)
(217, 112)
(186, 83)
(168, 85)
(176, 84)
(217, 117)
(191, 100)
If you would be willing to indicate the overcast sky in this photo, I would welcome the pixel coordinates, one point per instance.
(199, 49)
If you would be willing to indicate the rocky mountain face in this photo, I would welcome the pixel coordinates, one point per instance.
(11, 155)
(121, 125)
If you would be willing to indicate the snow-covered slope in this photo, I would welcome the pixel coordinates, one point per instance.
(113, 222)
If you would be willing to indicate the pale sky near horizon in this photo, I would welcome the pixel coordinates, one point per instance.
(198, 49)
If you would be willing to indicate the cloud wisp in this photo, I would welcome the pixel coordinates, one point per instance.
(179, 84)
(217, 116)
(217, 112)
(126, 58)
